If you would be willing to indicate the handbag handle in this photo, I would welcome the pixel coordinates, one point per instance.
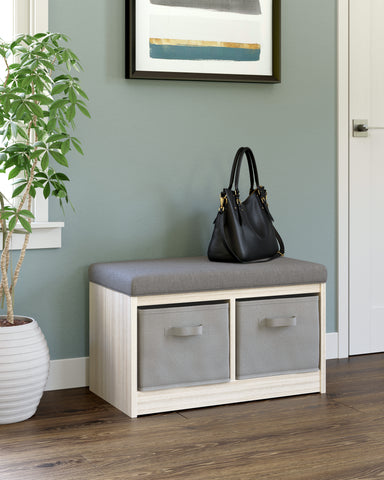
(251, 158)
(236, 170)
(254, 176)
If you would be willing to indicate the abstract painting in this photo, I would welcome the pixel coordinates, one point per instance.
(219, 40)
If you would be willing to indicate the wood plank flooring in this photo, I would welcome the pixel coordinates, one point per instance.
(337, 436)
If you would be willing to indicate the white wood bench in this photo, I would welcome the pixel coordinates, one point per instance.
(259, 332)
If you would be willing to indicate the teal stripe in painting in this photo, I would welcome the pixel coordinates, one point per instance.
(182, 52)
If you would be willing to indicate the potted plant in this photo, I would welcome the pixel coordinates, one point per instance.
(39, 99)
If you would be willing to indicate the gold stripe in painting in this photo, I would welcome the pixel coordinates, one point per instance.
(203, 43)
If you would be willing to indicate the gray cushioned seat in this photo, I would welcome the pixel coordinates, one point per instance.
(196, 274)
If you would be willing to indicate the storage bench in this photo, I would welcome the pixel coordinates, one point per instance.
(181, 333)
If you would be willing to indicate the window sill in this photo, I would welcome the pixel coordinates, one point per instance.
(44, 235)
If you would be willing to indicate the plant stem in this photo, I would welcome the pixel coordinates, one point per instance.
(4, 236)
(5, 283)
(8, 72)
(22, 253)
(27, 235)
(5, 254)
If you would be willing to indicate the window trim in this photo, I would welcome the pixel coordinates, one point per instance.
(31, 16)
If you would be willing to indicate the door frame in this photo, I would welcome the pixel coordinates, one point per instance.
(343, 136)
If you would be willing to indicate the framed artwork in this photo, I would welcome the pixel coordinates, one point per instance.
(216, 40)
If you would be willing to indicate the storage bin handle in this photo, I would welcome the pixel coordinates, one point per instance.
(191, 331)
(280, 322)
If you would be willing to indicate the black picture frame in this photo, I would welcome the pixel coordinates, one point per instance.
(135, 36)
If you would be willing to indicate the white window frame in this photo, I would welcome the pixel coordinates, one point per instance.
(31, 16)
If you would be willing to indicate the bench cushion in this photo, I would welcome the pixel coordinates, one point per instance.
(196, 274)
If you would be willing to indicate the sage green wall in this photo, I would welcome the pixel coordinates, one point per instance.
(158, 152)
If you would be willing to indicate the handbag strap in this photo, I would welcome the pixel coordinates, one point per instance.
(280, 242)
(251, 158)
(254, 176)
(261, 192)
(236, 170)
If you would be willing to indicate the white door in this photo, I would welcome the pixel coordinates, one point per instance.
(366, 328)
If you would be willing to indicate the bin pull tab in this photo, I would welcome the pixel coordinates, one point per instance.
(280, 322)
(191, 331)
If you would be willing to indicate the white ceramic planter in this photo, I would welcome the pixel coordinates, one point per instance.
(24, 366)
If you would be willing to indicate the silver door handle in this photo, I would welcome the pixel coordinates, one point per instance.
(364, 128)
(361, 127)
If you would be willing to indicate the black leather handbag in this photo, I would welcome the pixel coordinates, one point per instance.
(244, 231)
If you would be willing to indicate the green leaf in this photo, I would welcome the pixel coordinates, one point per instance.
(41, 175)
(35, 109)
(26, 225)
(14, 173)
(39, 143)
(58, 104)
(8, 96)
(56, 137)
(40, 36)
(22, 133)
(40, 85)
(26, 213)
(60, 176)
(51, 125)
(18, 190)
(47, 190)
(71, 112)
(83, 110)
(61, 193)
(12, 223)
(59, 88)
(36, 154)
(18, 182)
(16, 147)
(59, 157)
(65, 55)
(81, 92)
(21, 111)
(47, 64)
(76, 144)
(59, 78)
(41, 98)
(14, 129)
(65, 146)
(72, 95)
(45, 161)
(6, 215)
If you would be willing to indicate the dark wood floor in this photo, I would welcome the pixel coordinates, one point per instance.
(337, 436)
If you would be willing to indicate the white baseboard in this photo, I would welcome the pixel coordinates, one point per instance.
(332, 345)
(68, 373)
(73, 372)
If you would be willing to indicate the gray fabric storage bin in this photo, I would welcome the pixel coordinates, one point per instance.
(183, 345)
(276, 336)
